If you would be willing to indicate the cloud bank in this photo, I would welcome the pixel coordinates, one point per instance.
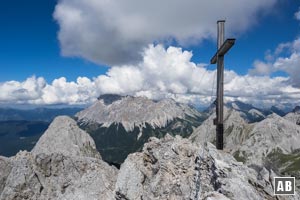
(116, 32)
(285, 58)
(162, 73)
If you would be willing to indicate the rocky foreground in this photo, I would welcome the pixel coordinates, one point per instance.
(66, 165)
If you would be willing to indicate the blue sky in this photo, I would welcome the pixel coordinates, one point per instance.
(30, 44)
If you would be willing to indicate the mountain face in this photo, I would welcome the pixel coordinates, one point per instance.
(167, 168)
(273, 133)
(65, 137)
(121, 125)
(273, 143)
(236, 130)
(294, 116)
(253, 114)
(64, 164)
(278, 111)
(248, 112)
(296, 109)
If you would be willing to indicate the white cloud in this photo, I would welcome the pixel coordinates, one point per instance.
(290, 65)
(297, 15)
(261, 68)
(163, 73)
(115, 32)
(286, 58)
(18, 92)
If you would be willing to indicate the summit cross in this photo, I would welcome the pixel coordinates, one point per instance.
(223, 48)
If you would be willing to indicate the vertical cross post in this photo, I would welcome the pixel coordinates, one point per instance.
(220, 90)
(223, 48)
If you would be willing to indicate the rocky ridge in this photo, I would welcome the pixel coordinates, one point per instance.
(167, 168)
(134, 112)
(272, 143)
(56, 171)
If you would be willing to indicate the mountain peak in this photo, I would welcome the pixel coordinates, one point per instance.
(110, 98)
(238, 105)
(133, 112)
(64, 136)
(296, 109)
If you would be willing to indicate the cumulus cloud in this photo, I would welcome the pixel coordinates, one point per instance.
(297, 15)
(115, 32)
(261, 68)
(19, 92)
(286, 58)
(163, 73)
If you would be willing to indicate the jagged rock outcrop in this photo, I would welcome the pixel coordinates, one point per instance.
(171, 168)
(64, 137)
(63, 165)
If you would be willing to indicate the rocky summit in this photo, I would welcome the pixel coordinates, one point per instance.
(168, 168)
(120, 125)
(175, 168)
(64, 164)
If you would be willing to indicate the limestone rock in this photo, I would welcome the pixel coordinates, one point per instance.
(175, 168)
(56, 176)
(63, 165)
(236, 130)
(134, 112)
(65, 137)
(5, 167)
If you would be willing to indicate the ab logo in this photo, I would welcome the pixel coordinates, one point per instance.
(284, 185)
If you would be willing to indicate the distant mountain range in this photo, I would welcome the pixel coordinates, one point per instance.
(253, 114)
(37, 114)
(122, 124)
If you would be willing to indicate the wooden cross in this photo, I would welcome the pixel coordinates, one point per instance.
(223, 48)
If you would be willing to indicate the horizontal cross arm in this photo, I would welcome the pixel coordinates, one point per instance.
(223, 50)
